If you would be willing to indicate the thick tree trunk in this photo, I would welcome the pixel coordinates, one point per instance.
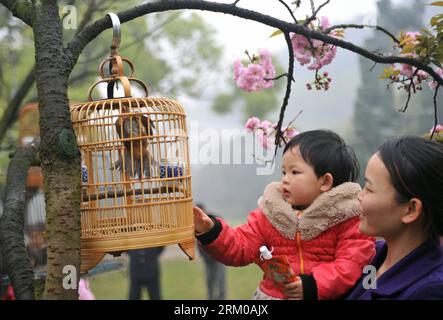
(60, 158)
(18, 264)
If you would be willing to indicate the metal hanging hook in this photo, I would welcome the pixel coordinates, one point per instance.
(116, 36)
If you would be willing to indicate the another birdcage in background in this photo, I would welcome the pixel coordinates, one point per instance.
(28, 131)
(136, 182)
(35, 210)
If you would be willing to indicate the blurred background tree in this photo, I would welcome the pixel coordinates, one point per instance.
(376, 109)
(168, 49)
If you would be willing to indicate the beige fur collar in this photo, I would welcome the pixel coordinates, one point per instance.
(329, 209)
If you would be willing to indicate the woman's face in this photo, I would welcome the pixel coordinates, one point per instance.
(382, 214)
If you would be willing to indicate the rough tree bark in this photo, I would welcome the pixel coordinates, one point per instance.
(18, 264)
(60, 158)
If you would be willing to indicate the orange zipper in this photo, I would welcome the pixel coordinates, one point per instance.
(300, 251)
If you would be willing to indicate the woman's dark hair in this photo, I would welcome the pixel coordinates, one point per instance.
(415, 166)
(326, 152)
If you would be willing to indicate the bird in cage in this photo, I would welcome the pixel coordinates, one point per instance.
(135, 159)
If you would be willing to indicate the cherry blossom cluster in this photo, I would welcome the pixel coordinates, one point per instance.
(260, 72)
(322, 81)
(258, 75)
(314, 53)
(400, 73)
(266, 130)
(438, 134)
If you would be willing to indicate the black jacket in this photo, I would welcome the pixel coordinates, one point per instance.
(143, 265)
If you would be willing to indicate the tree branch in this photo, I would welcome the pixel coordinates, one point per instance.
(137, 40)
(10, 114)
(278, 134)
(93, 30)
(92, 7)
(14, 251)
(289, 9)
(315, 12)
(22, 10)
(410, 86)
(278, 77)
(362, 26)
(435, 112)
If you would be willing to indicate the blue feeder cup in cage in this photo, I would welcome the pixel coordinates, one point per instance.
(84, 173)
(171, 170)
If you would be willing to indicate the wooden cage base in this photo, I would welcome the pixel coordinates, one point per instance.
(93, 250)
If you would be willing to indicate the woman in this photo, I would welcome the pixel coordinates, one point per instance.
(402, 202)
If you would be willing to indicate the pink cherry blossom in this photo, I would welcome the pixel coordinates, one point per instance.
(265, 125)
(264, 140)
(438, 129)
(324, 23)
(290, 133)
(266, 130)
(251, 78)
(265, 58)
(406, 70)
(318, 54)
(256, 76)
(252, 123)
(433, 84)
(422, 75)
(413, 35)
(238, 69)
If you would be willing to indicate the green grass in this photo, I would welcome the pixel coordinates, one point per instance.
(181, 279)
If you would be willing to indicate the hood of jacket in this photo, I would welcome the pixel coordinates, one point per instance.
(328, 209)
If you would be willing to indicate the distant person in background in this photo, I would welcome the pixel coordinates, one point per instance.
(144, 271)
(215, 274)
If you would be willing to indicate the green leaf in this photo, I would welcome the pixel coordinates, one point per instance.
(276, 33)
(407, 50)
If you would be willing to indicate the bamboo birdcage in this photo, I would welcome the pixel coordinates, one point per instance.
(136, 182)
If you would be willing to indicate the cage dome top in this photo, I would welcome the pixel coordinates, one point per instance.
(111, 69)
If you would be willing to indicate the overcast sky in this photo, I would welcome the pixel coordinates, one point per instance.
(239, 34)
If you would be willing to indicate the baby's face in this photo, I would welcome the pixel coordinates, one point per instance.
(299, 183)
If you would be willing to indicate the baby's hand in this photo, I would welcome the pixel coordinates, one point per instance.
(202, 223)
(294, 290)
